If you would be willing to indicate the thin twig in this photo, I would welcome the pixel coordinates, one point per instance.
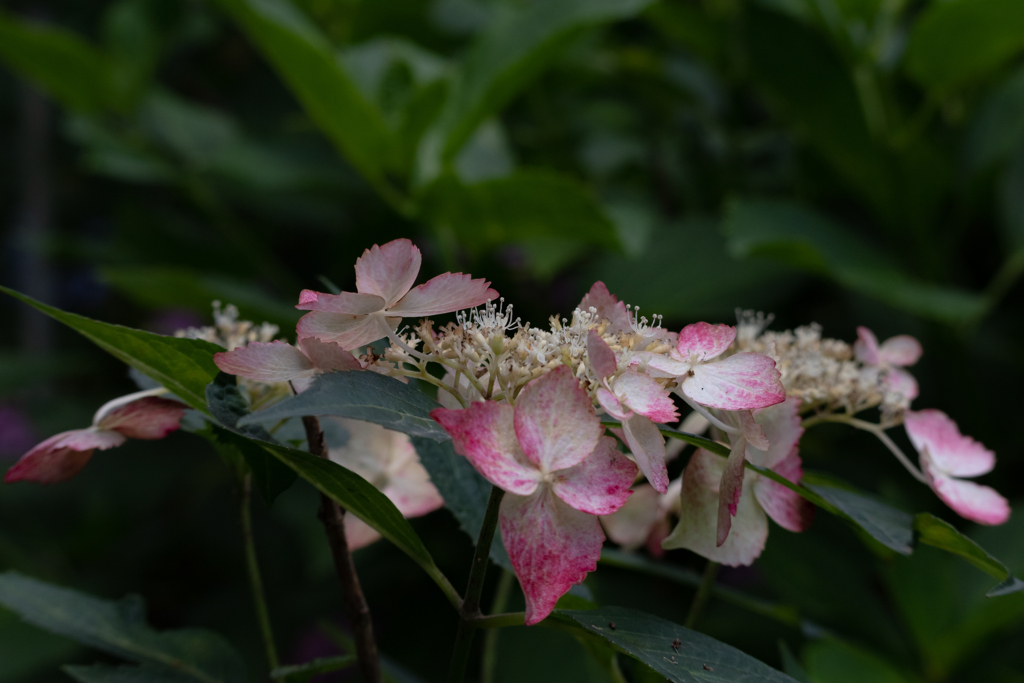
(255, 580)
(470, 611)
(490, 659)
(700, 600)
(333, 518)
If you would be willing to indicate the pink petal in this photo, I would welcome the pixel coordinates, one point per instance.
(348, 331)
(658, 365)
(555, 421)
(443, 294)
(358, 533)
(62, 456)
(608, 307)
(602, 358)
(148, 418)
(328, 356)
(783, 429)
(265, 362)
(698, 517)
(900, 350)
(551, 546)
(410, 488)
(647, 445)
(934, 433)
(745, 381)
(645, 396)
(704, 340)
(730, 489)
(388, 271)
(346, 303)
(600, 484)
(971, 501)
(752, 431)
(485, 434)
(901, 382)
(631, 524)
(866, 346)
(785, 506)
(611, 405)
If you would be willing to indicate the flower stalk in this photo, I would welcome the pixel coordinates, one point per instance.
(255, 579)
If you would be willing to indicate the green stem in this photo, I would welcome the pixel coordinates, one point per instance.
(255, 580)
(700, 600)
(470, 610)
(501, 594)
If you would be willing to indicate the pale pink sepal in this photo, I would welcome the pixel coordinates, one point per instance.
(631, 524)
(607, 307)
(901, 382)
(752, 430)
(270, 362)
(555, 421)
(865, 349)
(704, 341)
(359, 534)
(348, 331)
(900, 351)
(744, 381)
(485, 434)
(344, 303)
(644, 396)
(62, 456)
(975, 502)
(782, 428)
(551, 546)
(443, 294)
(789, 509)
(148, 418)
(600, 484)
(600, 355)
(647, 445)
(730, 489)
(388, 271)
(698, 517)
(612, 405)
(953, 453)
(328, 356)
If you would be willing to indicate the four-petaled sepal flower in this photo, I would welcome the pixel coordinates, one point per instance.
(558, 473)
(63, 455)
(946, 456)
(384, 278)
(891, 356)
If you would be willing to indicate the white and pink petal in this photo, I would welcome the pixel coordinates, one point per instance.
(647, 445)
(704, 340)
(981, 504)
(787, 508)
(600, 355)
(600, 484)
(388, 271)
(744, 381)
(345, 303)
(445, 293)
(936, 434)
(608, 307)
(901, 350)
(148, 418)
(268, 362)
(62, 456)
(555, 421)
(328, 356)
(645, 396)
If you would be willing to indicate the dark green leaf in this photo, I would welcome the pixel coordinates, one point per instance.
(70, 70)
(891, 527)
(300, 673)
(119, 628)
(306, 61)
(933, 531)
(837, 662)
(791, 665)
(808, 241)
(997, 130)
(649, 639)
(105, 673)
(464, 491)
(360, 396)
(957, 41)
(184, 366)
(524, 206)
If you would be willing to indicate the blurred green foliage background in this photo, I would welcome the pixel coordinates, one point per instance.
(841, 161)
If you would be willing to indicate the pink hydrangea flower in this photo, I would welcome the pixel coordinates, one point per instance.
(385, 295)
(388, 460)
(891, 356)
(645, 519)
(742, 381)
(639, 401)
(62, 456)
(750, 500)
(946, 456)
(277, 361)
(558, 472)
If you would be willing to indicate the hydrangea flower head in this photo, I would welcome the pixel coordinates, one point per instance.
(384, 278)
(558, 471)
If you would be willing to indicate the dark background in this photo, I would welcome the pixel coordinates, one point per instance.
(849, 162)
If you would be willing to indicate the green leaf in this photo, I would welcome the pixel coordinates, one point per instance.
(955, 42)
(183, 366)
(119, 628)
(526, 205)
(66, 67)
(791, 665)
(933, 531)
(161, 287)
(360, 395)
(512, 51)
(997, 130)
(306, 61)
(889, 526)
(105, 673)
(362, 499)
(800, 237)
(300, 673)
(837, 662)
(650, 640)
(464, 491)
